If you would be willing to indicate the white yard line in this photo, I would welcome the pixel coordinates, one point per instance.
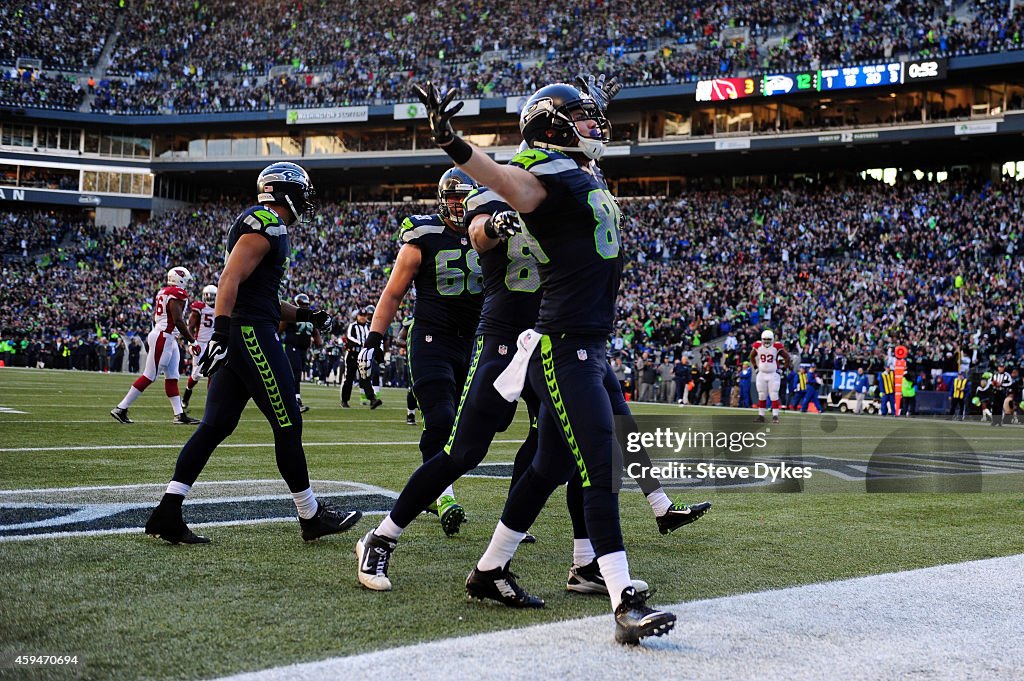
(948, 622)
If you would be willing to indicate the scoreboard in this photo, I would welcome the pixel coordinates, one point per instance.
(822, 80)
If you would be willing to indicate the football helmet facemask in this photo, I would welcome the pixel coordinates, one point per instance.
(287, 184)
(180, 277)
(452, 189)
(210, 294)
(549, 117)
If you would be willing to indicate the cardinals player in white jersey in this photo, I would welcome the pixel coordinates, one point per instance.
(768, 357)
(163, 356)
(200, 325)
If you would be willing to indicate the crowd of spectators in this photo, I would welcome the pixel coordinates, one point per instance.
(64, 36)
(27, 87)
(186, 56)
(841, 274)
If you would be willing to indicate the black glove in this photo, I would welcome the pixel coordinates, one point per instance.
(603, 91)
(216, 353)
(438, 114)
(320, 319)
(372, 353)
(503, 225)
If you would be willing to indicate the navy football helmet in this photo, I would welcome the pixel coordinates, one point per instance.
(302, 300)
(288, 184)
(452, 189)
(548, 121)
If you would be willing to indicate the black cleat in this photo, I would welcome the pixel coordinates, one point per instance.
(499, 585)
(166, 523)
(184, 419)
(374, 554)
(302, 408)
(376, 403)
(410, 419)
(589, 580)
(328, 520)
(345, 404)
(681, 514)
(775, 419)
(634, 620)
(759, 419)
(120, 415)
(529, 539)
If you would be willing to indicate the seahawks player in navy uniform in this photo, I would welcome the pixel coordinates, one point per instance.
(511, 301)
(572, 222)
(511, 285)
(435, 257)
(297, 338)
(246, 360)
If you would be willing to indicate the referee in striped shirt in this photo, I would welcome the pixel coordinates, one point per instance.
(1002, 384)
(355, 336)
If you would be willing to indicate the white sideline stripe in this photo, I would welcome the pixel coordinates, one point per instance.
(8, 410)
(235, 445)
(947, 622)
(136, 530)
(206, 484)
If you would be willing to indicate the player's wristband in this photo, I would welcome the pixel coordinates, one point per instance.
(489, 229)
(303, 314)
(458, 149)
(375, 340)
(222, 324)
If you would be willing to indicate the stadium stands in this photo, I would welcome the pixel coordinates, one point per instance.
(223, 51)
(841, 275)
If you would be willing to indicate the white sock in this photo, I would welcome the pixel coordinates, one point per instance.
(760, 411)
(305, 503)
(176, 404)
(615, 570)
(298, 397)
(504, 543)
(388, 528)
(133, 394)
(659, 502)
(449, 491)
(179, 488)
(775, 412)
(410, 412)
(582, 552)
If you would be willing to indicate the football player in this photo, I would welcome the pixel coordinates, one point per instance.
(200, 325)
(511, 301)
(571, 222)
(437, 258)
(768, 357)
(297, 337)
(246, 360)
(164, 357)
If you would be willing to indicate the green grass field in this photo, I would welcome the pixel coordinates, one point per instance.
(132, 607)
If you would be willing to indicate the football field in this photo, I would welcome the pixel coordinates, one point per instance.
(80, 578)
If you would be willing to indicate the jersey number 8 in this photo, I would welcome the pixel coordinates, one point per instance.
(452, 281)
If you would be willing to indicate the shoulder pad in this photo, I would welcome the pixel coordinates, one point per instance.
(481, 196)
(417, 226)
(544, 162)
(259, 219)
(176, 293)
(198, 305)
(778, 346)
(757, 345)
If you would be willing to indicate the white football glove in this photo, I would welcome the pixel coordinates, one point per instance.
(195, 348)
